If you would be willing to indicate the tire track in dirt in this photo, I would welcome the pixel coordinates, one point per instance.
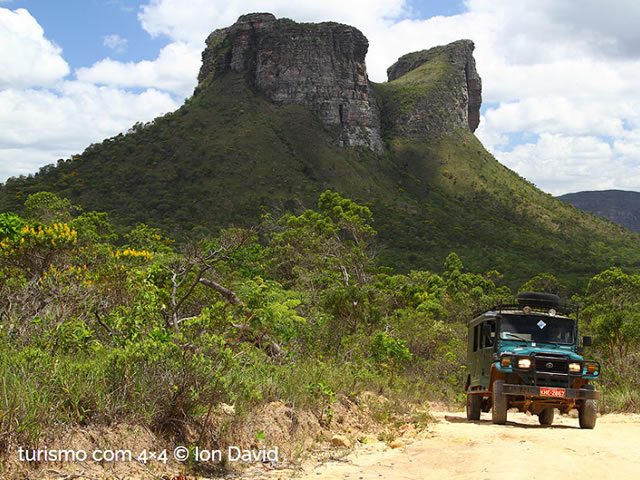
(455, 448)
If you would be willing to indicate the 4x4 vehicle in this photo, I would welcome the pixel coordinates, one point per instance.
(525, 355)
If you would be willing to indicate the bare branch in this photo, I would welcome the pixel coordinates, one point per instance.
(229, 295)
(105, 326)
(199, 261)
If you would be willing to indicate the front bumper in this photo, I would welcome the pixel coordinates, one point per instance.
(569, 393)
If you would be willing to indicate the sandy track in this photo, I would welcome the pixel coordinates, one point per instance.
(458, 449)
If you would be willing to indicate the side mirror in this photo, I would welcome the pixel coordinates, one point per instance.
(586, 341)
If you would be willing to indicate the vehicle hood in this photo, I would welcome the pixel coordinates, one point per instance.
(527, 350)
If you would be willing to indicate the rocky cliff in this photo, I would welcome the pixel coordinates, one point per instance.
(322, 67)
(319, 65)
(434, 91)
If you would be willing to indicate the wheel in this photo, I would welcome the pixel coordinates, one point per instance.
(499, 406)
(545, 417)
(474, 405)
(587, 413)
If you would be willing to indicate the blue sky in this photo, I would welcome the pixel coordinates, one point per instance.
(83, 39)
(560, 103)
(80, 27)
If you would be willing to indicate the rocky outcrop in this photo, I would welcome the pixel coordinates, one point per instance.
(319, 65)
(441, 89)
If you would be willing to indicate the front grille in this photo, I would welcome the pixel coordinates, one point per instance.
(552, 365)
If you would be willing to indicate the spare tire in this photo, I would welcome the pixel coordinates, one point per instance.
(538, 299)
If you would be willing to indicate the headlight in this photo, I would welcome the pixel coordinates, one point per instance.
(575, 367)
(524, 363)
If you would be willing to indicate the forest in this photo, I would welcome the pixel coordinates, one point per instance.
(99, 327)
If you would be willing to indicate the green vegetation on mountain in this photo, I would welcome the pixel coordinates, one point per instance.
(229, 155)
(619, 206)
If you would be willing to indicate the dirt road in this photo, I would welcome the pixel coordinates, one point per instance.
(455, 448)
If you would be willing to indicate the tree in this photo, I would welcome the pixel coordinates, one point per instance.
(612, 313)
(465, 293)
(331, 244)
(544, 282)
(188, 272)
(47, 207)
(327, 254)
(389, 353)
(94, 227)
(144, 236)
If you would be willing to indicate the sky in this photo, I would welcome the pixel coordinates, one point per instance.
(561, 103)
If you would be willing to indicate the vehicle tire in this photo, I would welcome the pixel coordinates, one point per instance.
(499, 405)
(474, 405)
(588, 411)
(546, 416)
(538, 299)
(587, 414)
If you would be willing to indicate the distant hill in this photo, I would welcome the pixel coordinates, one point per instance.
(619, 206)
(285, 110)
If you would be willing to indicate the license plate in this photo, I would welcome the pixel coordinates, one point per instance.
(552, 392)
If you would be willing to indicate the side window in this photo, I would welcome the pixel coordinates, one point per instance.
(476, 338)
(487, 340)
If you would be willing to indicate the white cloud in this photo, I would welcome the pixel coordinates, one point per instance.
(192, 21)
(565, 75)
(27, 58)
(116, 43)
(175, 70)
(538, 114)
(39, 126)
(534, 31)
(557, 160)
(561, 78)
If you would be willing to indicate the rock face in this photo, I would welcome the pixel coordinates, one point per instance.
(455, 94)
(320, 66)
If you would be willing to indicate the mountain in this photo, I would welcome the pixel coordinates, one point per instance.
(619, 206)
(284, 110)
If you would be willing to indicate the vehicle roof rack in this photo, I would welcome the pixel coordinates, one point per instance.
(536, 301)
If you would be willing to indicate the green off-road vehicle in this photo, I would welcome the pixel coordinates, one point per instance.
(525, 355)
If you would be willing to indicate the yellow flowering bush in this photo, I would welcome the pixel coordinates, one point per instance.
(36, 237)
(33, 247)
(133, 254)
(56, 234)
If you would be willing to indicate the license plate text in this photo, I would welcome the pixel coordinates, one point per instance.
(552, 392)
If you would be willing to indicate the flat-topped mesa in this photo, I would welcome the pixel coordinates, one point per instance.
(320, 66)
(447, 90)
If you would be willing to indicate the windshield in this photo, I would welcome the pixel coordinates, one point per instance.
(536, 328)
